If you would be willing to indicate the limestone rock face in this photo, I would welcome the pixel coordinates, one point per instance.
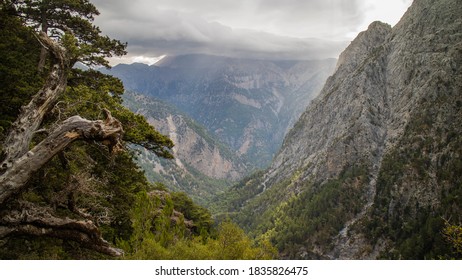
(201, 162)
(345, 123)
(373, 166)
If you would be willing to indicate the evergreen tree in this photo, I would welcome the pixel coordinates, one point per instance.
(56, 17)
(44, 195)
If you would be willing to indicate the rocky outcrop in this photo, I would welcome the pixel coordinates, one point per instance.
(373, 165)
(194, 150)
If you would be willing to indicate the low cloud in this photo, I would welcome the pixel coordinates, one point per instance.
(270, 29)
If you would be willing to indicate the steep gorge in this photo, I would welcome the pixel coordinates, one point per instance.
(247, 104)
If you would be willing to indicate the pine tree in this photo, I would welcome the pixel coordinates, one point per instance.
(56, 17)
(44, 129)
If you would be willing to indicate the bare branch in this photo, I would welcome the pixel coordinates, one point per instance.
(109, 132)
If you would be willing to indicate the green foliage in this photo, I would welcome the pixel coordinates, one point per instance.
(314, 216)
(294, 213)
(425, 163)
(61, 18)
(45, 248)
(453, 235)
(19, 78)
(230, 201)
(161, 234)
(191, 211)
(234, 244)
(140, 132)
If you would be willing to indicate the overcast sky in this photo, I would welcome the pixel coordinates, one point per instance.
(266, 29)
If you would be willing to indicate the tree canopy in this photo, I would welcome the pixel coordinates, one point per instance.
(71, 21)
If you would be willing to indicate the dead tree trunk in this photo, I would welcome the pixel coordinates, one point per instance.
(21, 162)
(43, 51)
(31, 116)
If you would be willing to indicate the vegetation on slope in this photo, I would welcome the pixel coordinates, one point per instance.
(427, 164)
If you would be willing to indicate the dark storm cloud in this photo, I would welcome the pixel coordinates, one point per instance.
(275, 29)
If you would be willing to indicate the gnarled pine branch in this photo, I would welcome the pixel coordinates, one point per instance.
(16, 176)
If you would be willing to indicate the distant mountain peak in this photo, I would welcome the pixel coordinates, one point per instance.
(360, 47)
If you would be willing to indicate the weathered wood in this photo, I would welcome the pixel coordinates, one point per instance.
(31, 116)
(29, 219)
(16, 176)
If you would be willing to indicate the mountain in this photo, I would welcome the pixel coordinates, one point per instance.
(202, 167)
(249, 105)
(373, 167)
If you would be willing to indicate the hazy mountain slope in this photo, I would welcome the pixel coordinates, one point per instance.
(202, 166)
(374, 164)
(248, 104)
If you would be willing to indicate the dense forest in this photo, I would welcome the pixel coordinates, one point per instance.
(69, 187)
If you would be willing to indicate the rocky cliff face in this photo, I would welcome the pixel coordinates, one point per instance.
(373, 166)
(202, 164)
(344, 124)
(248, 104)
